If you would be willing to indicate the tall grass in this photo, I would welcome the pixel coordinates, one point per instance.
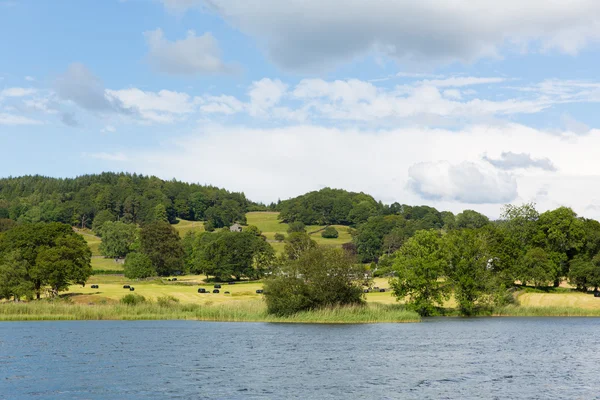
(253, 311)
(550, 311)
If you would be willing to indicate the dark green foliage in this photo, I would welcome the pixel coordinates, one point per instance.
(329, 207)
(329, 233)
(297, 243)
(584, 273)
(471, 220)
(296, 226)
(118, 239)
(129, 198)
(138, 266)
(43, 245)
(538, 267)
(252, 229)
(280, 237)
(14, 279)
(99, 220)
(65, 263)
(238, 254)
(420, 266)
(467, 269)
(133, 299)
(319, 277)
(162, 244)
(6, 224)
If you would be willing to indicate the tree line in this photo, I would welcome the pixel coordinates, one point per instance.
(130, 198)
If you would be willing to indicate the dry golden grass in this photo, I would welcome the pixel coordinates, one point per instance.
(572, 300)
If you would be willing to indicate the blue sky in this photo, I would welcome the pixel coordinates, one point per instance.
(454, 104)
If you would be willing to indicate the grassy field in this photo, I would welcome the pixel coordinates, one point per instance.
(92, 240)
(106, 264)
(184, 226)
(268, 223)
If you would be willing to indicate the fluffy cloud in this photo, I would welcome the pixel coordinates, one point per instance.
(9, 119)
(17, 92)
(466, 182)
(69, 120)
(80, 86)
(189, 56)
(509, 161)
(163, 106)
(393, 164)
(425, 31)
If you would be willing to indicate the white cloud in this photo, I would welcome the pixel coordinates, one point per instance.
(163, 106)
(109, 129)
(509, 161)
(190, 56)
(9, 119)
(30, 78)
(427, 31)
(281, 162)
(265, 94)
(17, 92)
(458, 81)
(466, 182)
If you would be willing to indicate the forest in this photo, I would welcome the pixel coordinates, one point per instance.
(429, 256)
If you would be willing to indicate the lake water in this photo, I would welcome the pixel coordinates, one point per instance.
(504, 358)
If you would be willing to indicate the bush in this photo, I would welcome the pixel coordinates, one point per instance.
(280, 237)
(138, 266)
(167, 301)
(133, 299)
(330, 233)
(319, 277)
(296, 226)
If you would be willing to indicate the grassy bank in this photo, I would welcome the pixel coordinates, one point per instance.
(552, 311)
(240, 312)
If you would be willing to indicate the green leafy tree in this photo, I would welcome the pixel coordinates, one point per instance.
(14, 279)
(67, 262)
(236, 254)
(471, 219)
(280, 237)
(160, 213)
(296, 226)
(6, 224)
(319, 277)
(29, 240)
(138, 266)
(118, 239)
(162, 244)
(538, 267)
(99, 220)
(420, 268)
(562, 235)
(584, 273)
(467, 268)
(329, 233)
(253, 229)
(297, 243)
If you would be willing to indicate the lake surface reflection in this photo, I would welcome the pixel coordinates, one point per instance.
(504, 358)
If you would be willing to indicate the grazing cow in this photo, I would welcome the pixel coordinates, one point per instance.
(259, 291)
(126, 286)
(131, 289)
(216, 291)
(201, 290)
(174, 279)
(226, 292)
(217, 286)
(596, 294)
(365, 290)
(381, 290)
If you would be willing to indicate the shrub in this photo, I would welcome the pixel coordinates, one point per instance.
(296, 226)
(329, 233)
(280, 237)
(319, 277)
(167, 301)
(133, 299)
